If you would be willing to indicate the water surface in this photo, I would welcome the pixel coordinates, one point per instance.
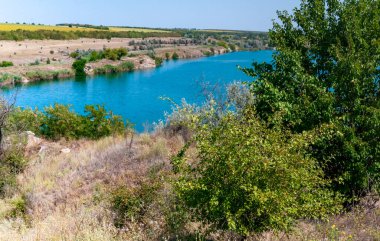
(136, 95)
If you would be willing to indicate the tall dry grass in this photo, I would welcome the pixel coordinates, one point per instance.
(68, 197)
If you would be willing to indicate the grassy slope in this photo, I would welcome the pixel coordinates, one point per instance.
(72, 190)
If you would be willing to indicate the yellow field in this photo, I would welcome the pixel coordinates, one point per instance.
(10, 27)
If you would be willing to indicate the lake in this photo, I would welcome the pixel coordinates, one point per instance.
(136, 95)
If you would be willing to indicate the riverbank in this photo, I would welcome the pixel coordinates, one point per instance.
(50, 59)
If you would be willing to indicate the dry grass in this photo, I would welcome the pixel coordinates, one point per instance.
(68, 196)
(71, 190)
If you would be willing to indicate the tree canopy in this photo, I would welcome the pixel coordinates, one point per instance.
(325, 78)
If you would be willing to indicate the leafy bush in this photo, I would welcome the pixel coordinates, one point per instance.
(48, 74)
(232, 47)
(222, 44)
(132, 204)
(250, 178)
(24, 120)
(12, 162)
(115, 54)
(99, 123)
(19, 207)
(91, 56)
(127, 66)
(208, 53)
(74, 55)
(59, 121)
(4, 77)
(36, 62)
(158, 61)
(78, 67)
(106, 69)
(123, 67)
(6, 64)
(175, 56)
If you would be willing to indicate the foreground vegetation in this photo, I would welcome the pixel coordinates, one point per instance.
(292, 155)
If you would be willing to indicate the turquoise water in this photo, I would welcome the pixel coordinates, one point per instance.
(136, 96)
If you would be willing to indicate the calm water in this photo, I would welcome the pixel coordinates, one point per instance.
(136, 96)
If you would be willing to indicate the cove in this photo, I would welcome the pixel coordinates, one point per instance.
(136, 95)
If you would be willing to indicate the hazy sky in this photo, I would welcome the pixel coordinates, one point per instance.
(221, 14)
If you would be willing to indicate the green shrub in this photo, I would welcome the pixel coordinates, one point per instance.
(127, 66)
(232, 47)
(36, 62)
(106, 69)
(78, 67)
(6, 64)
(19, 207)
(59, 121)
(175, 56)
(12, 162)
(123, 67)
(4, 77)
(47, 75)
(222, 44)
(250, 178)
(167, 56)
(92, 56)
(115, 54)
(131, 204)
(208, 53)
(74, 55)
(24, 120)
(158, 61)
(99, 123)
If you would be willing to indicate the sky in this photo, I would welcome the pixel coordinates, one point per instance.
(201, 14)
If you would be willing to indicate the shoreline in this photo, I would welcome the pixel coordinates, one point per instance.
(62, 69)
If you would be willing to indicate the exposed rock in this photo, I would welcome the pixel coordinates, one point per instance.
(43, 149)
(32, 140)
(65, 150)
(89, 69)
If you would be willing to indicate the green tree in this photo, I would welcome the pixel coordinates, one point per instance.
(325, 78)
(175, 56)
(78, 67)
